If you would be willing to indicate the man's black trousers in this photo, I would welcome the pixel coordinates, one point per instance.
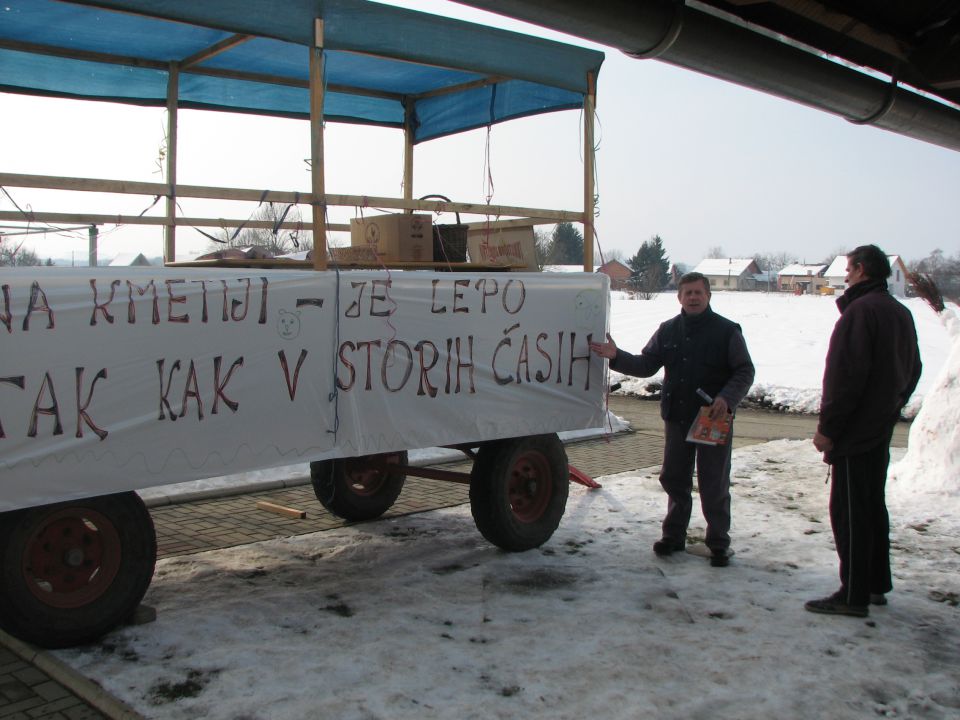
(713, 481)
(861, 525)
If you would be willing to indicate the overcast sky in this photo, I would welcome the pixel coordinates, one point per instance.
(700, 162)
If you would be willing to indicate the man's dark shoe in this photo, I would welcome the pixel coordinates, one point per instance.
(720, 557)
(835, 605)
(878, 599)
(667, 546)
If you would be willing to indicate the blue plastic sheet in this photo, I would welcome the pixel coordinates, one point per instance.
(456, 75)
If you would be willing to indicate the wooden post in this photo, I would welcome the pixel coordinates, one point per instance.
(170, 229)
(589, 105)
(319, 204)
(408, 151)
(92, 235)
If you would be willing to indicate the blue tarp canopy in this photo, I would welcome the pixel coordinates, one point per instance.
(253, 56)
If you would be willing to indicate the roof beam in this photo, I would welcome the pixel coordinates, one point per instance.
(483, 82)
(214, 50)
(189, 65)
(75, 54)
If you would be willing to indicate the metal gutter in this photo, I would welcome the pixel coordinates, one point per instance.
(724, 48)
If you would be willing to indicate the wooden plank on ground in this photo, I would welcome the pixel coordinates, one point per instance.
(281, 510)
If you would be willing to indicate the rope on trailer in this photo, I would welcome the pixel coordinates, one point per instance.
(334, 395)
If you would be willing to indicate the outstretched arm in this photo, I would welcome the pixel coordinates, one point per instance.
(643, 365)
(606, 349)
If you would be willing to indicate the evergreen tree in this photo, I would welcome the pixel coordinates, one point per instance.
(650, 266)
(566, 246)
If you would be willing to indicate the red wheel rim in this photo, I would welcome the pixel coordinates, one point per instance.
(366, 480)
(530, 486)
(71, 558)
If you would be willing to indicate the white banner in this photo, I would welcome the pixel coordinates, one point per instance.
(123, 378)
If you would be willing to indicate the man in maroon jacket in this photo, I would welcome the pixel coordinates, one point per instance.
(872, 368)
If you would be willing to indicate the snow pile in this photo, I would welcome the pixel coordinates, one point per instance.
(931, 469)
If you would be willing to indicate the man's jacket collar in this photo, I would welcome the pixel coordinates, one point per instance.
(698, 319)
(858, 291)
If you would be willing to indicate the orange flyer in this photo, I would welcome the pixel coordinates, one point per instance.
(707, 431)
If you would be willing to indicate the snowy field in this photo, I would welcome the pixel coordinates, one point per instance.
(787, 336)
(418, 617)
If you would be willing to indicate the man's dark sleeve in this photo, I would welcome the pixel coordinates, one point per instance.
(915, 375)
(645, 364)
(845, 374)
(743, 371)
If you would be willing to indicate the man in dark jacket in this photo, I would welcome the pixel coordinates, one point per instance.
(872, 368)
(699, 351)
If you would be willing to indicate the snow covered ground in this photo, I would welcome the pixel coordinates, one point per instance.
(418, 617)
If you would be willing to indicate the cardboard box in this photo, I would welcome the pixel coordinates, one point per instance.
(354, 254)
(507, 246)
(403, 237)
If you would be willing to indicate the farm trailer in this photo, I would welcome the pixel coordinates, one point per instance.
(115, 380)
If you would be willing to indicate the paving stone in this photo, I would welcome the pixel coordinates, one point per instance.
(50, 690)
(20, 706)
(30, 676)
(54, 707)
(12, 690)
(83, 712)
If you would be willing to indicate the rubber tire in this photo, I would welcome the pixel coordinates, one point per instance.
(502, 464)
(71, 618)
(334, 487)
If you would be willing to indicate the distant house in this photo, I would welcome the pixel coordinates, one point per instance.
(836, 274)
(799, 278)
(566, 268)
(129, 260)
(618, 273)
(677, 271)
(730, 273)
(766, 280)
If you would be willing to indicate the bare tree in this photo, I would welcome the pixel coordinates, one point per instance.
(274, 240)
(837, 252)
(771, 262)
(615, 255)
(542, 245)
(715, 252)
(942, 270)
(648, 283)
(11, 254)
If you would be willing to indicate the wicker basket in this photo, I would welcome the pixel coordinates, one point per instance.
(449, 241)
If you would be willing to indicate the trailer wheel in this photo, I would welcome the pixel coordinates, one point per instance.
(354, 489)
(72, 571)
(518, 490)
